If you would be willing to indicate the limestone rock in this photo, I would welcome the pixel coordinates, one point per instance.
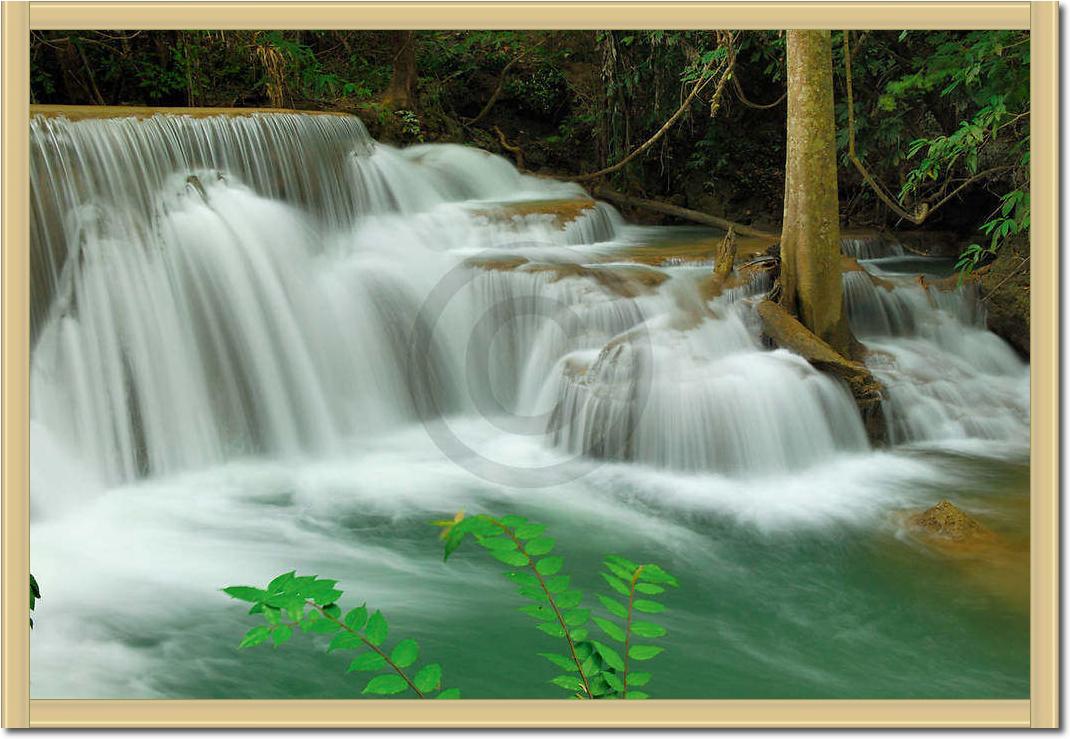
(947, 521)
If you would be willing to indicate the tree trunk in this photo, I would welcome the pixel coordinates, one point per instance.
(810, 242)
(400, 93)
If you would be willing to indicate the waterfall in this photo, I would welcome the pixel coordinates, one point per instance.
(871, 247)
(947, 377)
(212, 289)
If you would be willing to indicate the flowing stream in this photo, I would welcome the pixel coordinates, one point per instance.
(269, 342)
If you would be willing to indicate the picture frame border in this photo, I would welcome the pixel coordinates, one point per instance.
(1040, 710)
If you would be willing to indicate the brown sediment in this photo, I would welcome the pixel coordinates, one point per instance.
(564, 211)
(621, 280)
(691, 250)
(94, 112)
(994, 562)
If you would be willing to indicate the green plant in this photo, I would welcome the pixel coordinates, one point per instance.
(1010, 218)
(309, 603)
(593, 669)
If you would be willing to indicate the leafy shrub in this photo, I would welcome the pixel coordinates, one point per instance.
(591, 668)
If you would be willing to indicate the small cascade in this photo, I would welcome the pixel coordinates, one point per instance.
(947, 376)
(871, 247)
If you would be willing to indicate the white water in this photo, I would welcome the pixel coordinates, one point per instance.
(233, 311)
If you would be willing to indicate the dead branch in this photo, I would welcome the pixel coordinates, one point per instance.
(676, 211)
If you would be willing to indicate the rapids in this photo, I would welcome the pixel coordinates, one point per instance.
(264, 342)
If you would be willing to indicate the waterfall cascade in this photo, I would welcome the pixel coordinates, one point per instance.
(206, 289)
(267, 342)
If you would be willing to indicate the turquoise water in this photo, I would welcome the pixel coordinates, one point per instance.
(829, 600)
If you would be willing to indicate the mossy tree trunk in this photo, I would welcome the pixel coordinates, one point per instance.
(400, 93)
(810, 242)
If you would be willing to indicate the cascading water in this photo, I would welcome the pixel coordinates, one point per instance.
(248, 330)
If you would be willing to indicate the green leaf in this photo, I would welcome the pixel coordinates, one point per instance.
(619, 571)
(557, 583)
(610, 656)
(244, 592)
(578, 634)
(454, 539)
(658, 576)
(568, 682)
(561, 661)
(511, 558)
(513, 521)
(549, 565)
(271, 615)
(613, 681)
(533, 593)
(281, 634)
(648, 606)
(449, 694)
(356, 618)
(377, 629)
(497, 543)
(613, 606)
(569, 599)
(617, 585)
(333, 610)
(552, 629)
(386, 685)
(279, 584)
(428, 678)
(576, 616)
(643, 652)
(637, 695)
(345, 640)
(542, 613)
(611, 629)
(638, 679)
(367, 662)
(627, 564)
(522, 578)
(254, 636)
(538, 547)
(647, 629)
(321, 625)
(529, 530)
(405, 653)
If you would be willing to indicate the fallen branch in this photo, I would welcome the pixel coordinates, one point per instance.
(676, 211)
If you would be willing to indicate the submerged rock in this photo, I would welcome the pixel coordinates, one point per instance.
(949, 522)
(785, 331)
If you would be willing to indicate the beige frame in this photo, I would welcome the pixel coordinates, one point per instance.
(1039, 711)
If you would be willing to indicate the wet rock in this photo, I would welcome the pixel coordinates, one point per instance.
(785, 331)
(1005, 292)
(622, 281)
(948, 522)
(562, 212)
